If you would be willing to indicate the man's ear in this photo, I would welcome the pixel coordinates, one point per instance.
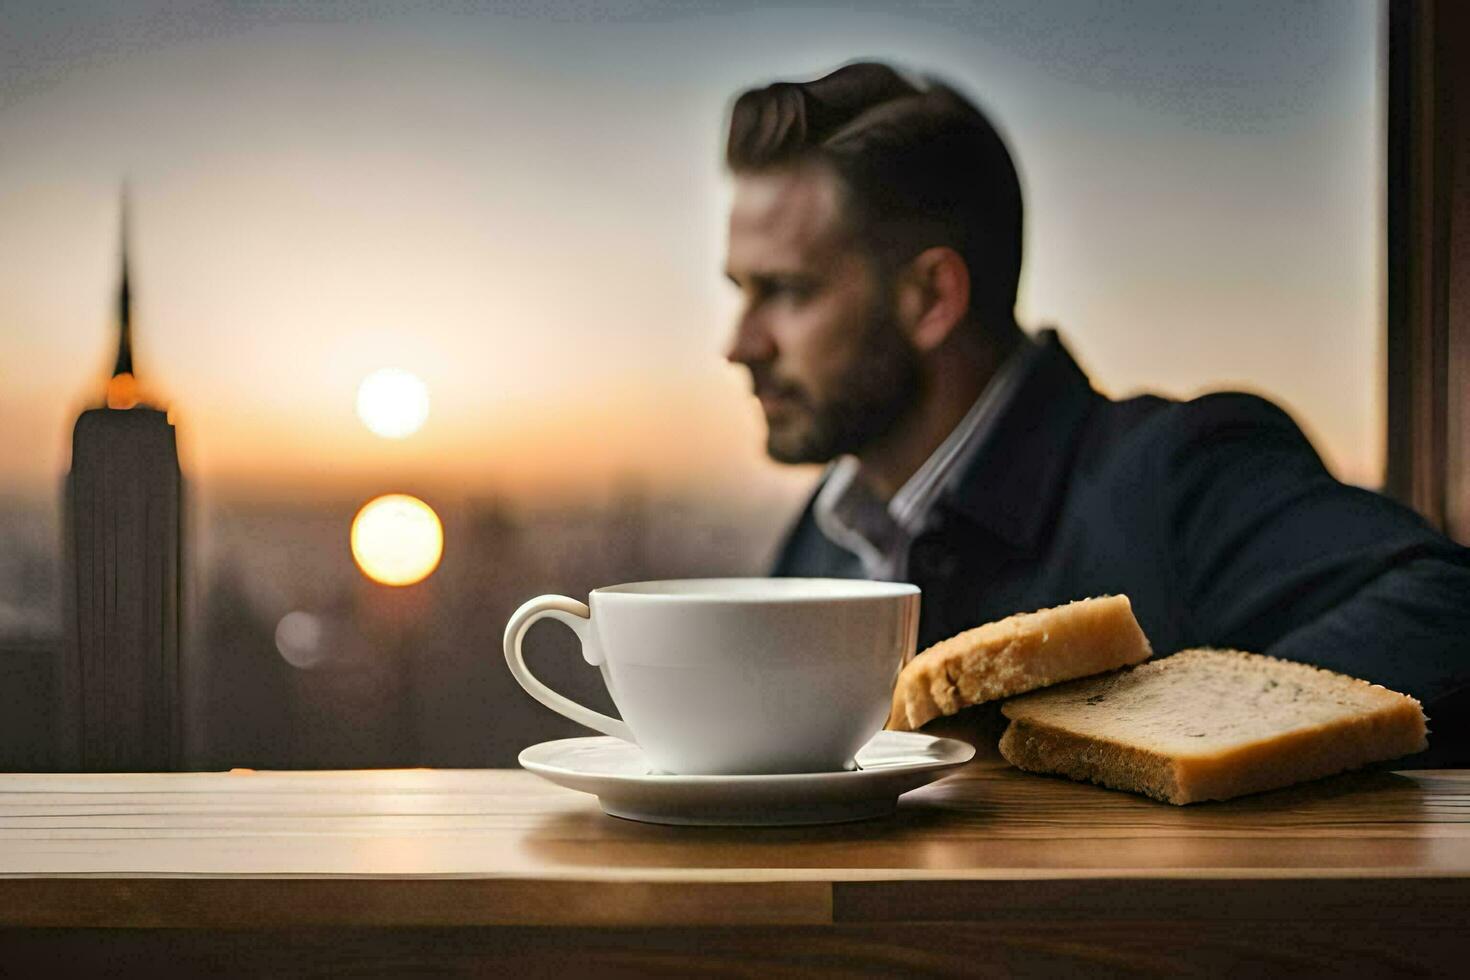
(933, 296)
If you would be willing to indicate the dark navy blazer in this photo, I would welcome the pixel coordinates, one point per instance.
(1214, 516)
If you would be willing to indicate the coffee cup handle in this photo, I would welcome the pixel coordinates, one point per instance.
(576, 615)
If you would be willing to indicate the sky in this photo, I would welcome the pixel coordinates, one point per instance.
(523, 204)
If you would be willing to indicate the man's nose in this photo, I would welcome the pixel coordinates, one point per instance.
(750, 342)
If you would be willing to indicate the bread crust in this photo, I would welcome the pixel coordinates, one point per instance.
(1056, 751)
(1017, 654)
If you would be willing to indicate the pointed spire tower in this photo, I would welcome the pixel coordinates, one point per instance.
(122, 390)
(121, 707)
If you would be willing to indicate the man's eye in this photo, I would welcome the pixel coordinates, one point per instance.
(795, 291)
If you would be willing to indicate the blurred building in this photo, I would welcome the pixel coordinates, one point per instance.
(120, 687)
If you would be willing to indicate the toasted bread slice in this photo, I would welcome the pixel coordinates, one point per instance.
(1210, 725)
(1015, 655)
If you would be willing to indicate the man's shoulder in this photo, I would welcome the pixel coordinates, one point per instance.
(1162, 431)
(1225, 413)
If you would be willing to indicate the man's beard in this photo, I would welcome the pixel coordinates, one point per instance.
(878, 388)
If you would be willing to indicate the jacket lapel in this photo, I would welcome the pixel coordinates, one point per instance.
(1011, 485)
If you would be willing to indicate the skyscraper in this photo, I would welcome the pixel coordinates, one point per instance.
(121, 671)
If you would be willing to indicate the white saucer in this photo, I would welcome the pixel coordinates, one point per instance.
(617, 774)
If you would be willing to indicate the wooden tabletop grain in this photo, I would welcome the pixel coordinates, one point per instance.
(1374, 860)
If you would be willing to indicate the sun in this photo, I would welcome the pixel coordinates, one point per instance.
(397, 539)
(393, 403)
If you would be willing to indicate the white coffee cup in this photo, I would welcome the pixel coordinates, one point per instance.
(736, 675)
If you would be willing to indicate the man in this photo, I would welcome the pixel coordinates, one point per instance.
(875, 237)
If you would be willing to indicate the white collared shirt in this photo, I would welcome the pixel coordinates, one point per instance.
(852, 517)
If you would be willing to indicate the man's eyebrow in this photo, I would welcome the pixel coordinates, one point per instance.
(766, 279)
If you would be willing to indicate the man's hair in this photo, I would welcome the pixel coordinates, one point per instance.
(922, 167)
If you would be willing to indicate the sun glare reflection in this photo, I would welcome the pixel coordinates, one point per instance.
(397, 539)
(299, 639)
(393, 403)
(122, 391)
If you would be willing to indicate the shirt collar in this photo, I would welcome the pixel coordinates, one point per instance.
(914, 501)
(853, 517)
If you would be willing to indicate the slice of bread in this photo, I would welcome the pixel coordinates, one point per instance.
(1210, 725)
(1015, 655)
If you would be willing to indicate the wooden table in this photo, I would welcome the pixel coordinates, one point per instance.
(989, 870)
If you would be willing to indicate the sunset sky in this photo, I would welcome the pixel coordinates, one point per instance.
(523, 205)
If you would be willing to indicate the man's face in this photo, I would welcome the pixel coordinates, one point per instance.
(827, 358)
